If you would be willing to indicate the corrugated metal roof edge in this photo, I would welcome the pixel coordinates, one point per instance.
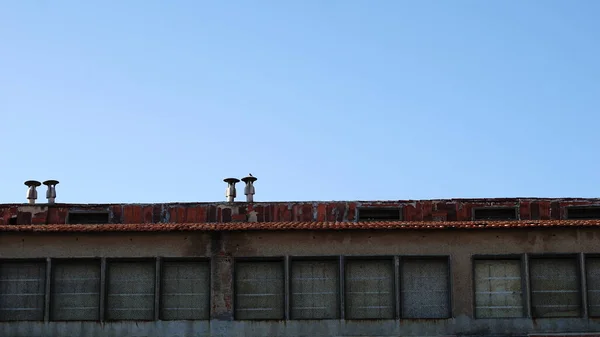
(248, 226)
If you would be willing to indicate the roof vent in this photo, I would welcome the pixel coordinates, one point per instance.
(230, 191)
(51, 192)
(249, 189)
(32, 192)
(495, 213)
(583, 212)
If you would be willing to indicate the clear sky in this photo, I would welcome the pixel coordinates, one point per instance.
(156, 101)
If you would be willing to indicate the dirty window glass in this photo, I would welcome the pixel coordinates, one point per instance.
(315, 290)
(369, 289)
(130, 290)
(498, 289)
(425, 288)
(22, 291)
(185, 290)
(75, 290)
(555, 287)
(259, 290)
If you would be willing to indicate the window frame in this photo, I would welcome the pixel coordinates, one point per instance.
(584, 274)
(329, 258)
(43, 261)
(87, 212)
(449, 283)
(479, 208)
(568, 208)
(395, 275)
(161, 275)
(280, 259)
(75, 260)
(525, 291)
(399, 209)
(572, 256)
(110, 260)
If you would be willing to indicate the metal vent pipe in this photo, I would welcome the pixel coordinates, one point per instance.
(230, 191)
(51, 192)
(31, 191)
(249, 189)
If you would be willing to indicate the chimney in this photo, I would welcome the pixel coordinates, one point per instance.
(51, 192)
(230, 191)
(249, 189)
(31, 192)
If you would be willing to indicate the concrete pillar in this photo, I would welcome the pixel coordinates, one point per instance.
(221, 271)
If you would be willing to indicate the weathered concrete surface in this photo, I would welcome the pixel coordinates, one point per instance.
(458, 326)
(224, 248)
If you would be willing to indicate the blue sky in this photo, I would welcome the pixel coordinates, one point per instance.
(155, 101)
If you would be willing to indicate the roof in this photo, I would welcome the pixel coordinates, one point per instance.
(298, 225)
(301, 215)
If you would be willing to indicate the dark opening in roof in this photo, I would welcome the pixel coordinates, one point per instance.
(87, 218)
(495, 213)
(379, 214)
(583, 212)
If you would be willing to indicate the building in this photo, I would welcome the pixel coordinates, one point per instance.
(476, 267)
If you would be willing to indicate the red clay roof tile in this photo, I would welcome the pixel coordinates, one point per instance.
(247, 226)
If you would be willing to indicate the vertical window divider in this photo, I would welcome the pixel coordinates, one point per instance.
(342, 293)
(102, 288)
(397, 299)
(157, 289)
(286, 292)
(527, 286)
(583, 286)
(47, 290)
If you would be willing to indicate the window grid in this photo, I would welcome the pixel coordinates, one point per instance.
(259, 290)
(75, 290)
(369, 288)
(22, 290)
(130, 290)
(314, 289)
(425, 287)
(555, 287)
(593, 285)
(185, 290)
(542, 272)
(498, 287)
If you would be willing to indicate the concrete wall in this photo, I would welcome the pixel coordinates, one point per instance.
(224, 247)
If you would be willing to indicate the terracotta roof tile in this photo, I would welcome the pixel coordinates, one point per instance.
(247, 226)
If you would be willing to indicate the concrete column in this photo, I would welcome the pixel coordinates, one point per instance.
(221, 278)
(157, 291)
(461, 282)
(47, 292)
(102, 289)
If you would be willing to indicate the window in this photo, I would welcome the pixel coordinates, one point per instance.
(259, 290)
(315, 289)
(498, 289)
(555, 287)
(75, 291)
(425, 288)
(369, 289)
(22, 291)
(379, 214)
(593, 285)
(185, 290)
(495, 213)
(583, 212)
(88, 218)
(130, 290)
